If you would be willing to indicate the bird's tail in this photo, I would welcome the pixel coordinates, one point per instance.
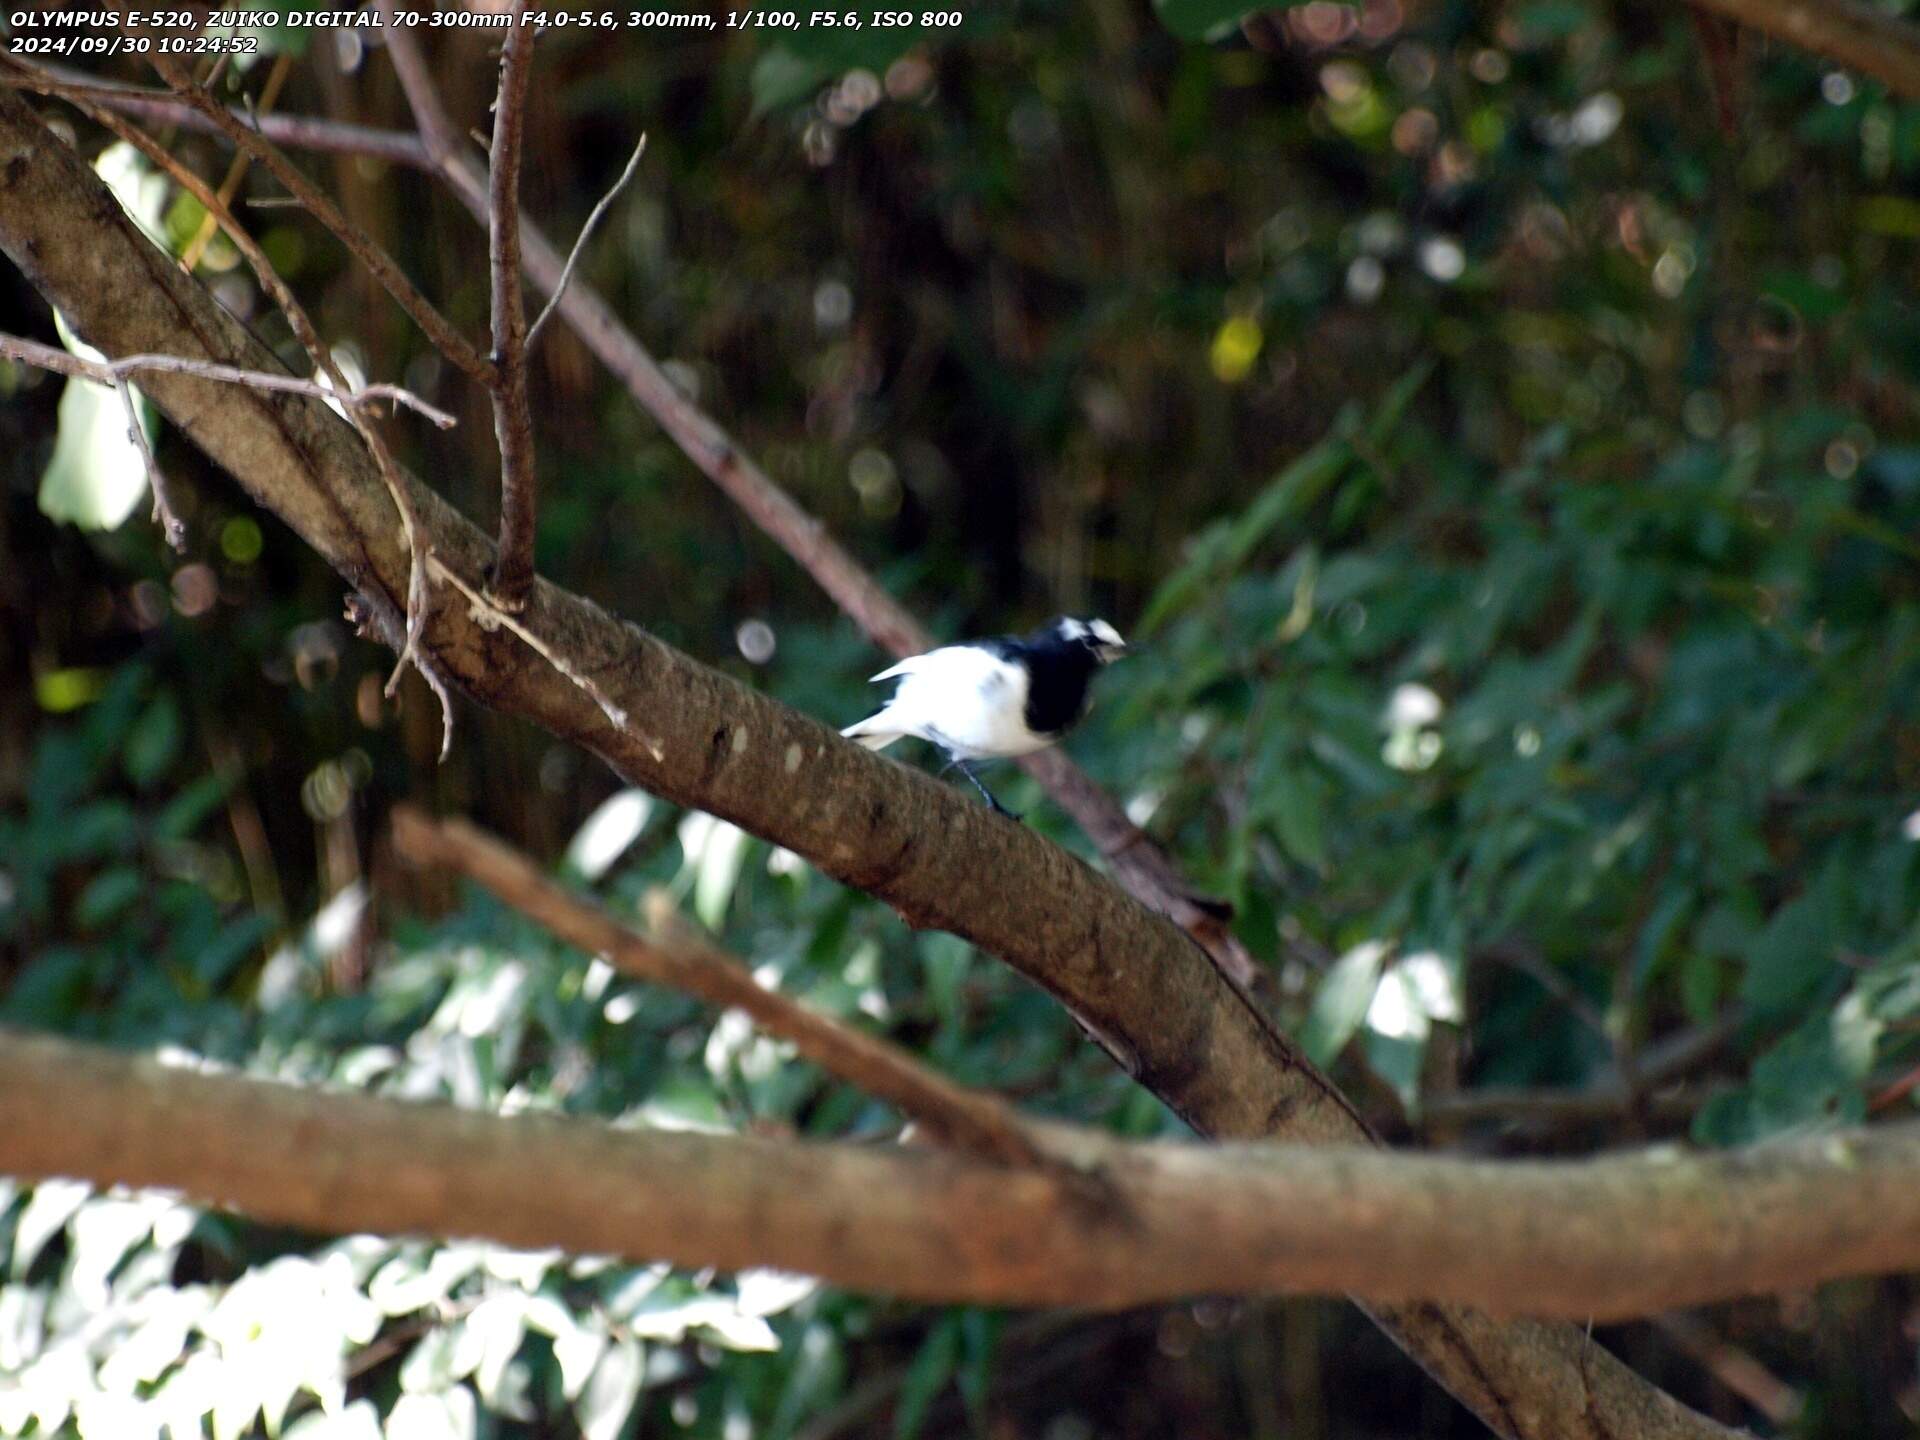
(873, 732)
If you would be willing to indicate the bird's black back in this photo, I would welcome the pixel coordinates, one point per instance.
(1059, 675)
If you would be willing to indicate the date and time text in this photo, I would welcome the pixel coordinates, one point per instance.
(78, 31)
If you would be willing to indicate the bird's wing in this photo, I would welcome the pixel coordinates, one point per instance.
(913, 663)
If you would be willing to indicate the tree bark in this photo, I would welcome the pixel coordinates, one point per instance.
(1104, 1223)
(1847, 32)
(1139, 985)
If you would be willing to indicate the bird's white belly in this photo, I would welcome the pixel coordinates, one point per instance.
(973, 704)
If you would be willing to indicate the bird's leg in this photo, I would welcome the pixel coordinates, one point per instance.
(966, 769)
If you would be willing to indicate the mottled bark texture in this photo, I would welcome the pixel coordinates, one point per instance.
(1109, 1224)
(1141, 987)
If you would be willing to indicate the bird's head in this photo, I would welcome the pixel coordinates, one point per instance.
(1097, 637)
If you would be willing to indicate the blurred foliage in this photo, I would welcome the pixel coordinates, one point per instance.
(1513, 476)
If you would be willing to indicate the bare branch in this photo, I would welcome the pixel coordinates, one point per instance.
(437, 131)
(172, 527)
(1625, 1235)
(49, 357)
(675, 957)
(1734, 1368)
(414, 607)
(437, 328)
(237, 170)
(484, 613)
(512, 415)
(302, 132)
(580, 242)
(1847, 32)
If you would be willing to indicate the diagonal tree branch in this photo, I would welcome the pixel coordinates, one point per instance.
(594, 217)
(300, 132)
(673, 957)
(1848, 32)
(1621, 1236)
(437, 328)
(413, 610)
(1141, 865)
(512, 416)
(1135, 981)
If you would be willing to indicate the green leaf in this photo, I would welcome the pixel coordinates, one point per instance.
(782, 76)
(1202, 19)
(603, 1407)
(1219, 552)
(153, 742)
(932, 1368)
(52, 1204)
(1676, 903)
(448, 1415)
(188, 810)
(714, 851)
(1791, 958)
(1341, 1002)
(1298, 818)
(106, 895)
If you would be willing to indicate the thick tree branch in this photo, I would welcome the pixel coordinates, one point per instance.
(676, 958)
(1137, 983)
(512, 414)
(1606, 1239)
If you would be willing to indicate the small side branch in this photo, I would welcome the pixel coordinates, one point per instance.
(580, 242)
(675, 957)
(172, 527)
(49, 357)
(512, 415)
(309, 337)
(300, 132)
(455, 346)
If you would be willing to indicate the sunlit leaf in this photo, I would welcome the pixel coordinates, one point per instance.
(608, 1399)
(1340, 1004)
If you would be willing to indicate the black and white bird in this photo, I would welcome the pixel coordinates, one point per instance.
(994, 699)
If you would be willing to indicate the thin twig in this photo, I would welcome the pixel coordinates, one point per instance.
(302, 132)
(237, 171)
(437, 132)
(172, 527)
(580, 243)
(309, 337)
(455, 346)
(489, 616)
(50, 357)
(673, 956)
(1733, 1367)
(512, 574)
